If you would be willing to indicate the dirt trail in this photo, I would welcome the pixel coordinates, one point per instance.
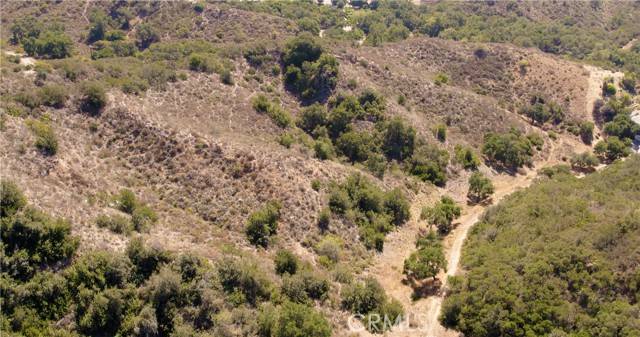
(422, 314)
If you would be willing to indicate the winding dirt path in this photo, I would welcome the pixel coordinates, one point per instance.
(422, 314)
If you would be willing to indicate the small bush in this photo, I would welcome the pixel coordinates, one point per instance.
(324, 219)
(440, 132)
(312, 117)
(286, 262)
(29, 99)
(143, 218)
(94, 97)
(127, 201)
(46, 140)
(300, 320)
(441, 79)
(609, 89)
(442, 214)
(49, 44)
(199, 7)
(11, 198)
(286, 140)
(226, 77)
(323, 149)
(115, 223)
(586, 132)
(277, 114)
(465, 157)
(511, 150)
(584, 161)
(329, 249)
(145, 36)
(263, 224)
(53, 96)
(480, 187)
(612, 148)
(242, 278)
(399, 140)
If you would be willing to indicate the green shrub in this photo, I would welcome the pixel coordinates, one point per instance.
(205, 63)
(323, 149)
(374, 211)
(356, 146)
(425, 262)
(127, 201)
(609, 89)
(584, 161)
(199, 7)
(440, 132)
(441, 79)
(300, 320)
(369, 300)
(612, 148)
(29, 99)
(263, 224)
(49, 44)
(442, 214)
(94, 97)
(286, 262)
(103, 314)
(466, 157)
(429, 163)
(312, 117)
(143, 218)
(398, 140)
(226, 77)
(339, 201)
(286, 140)
(329, 249)
(46, 140)
(38, 240)
(397, 205)
(47, 293)
(257, 55)
(509, 150)
(145, 36)
(629, 83)
(157, 74)
(586, 132)
(318, 76)
(11, 198)
(99, 270)
(622, 127)
(277, 114)
(24, 28)
(146, 260)
(115, 223)
(480, 187)
(243, 278)
(324, 219)
(53, 96)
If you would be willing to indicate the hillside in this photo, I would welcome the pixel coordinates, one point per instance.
(264, 159)
(560, 257)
